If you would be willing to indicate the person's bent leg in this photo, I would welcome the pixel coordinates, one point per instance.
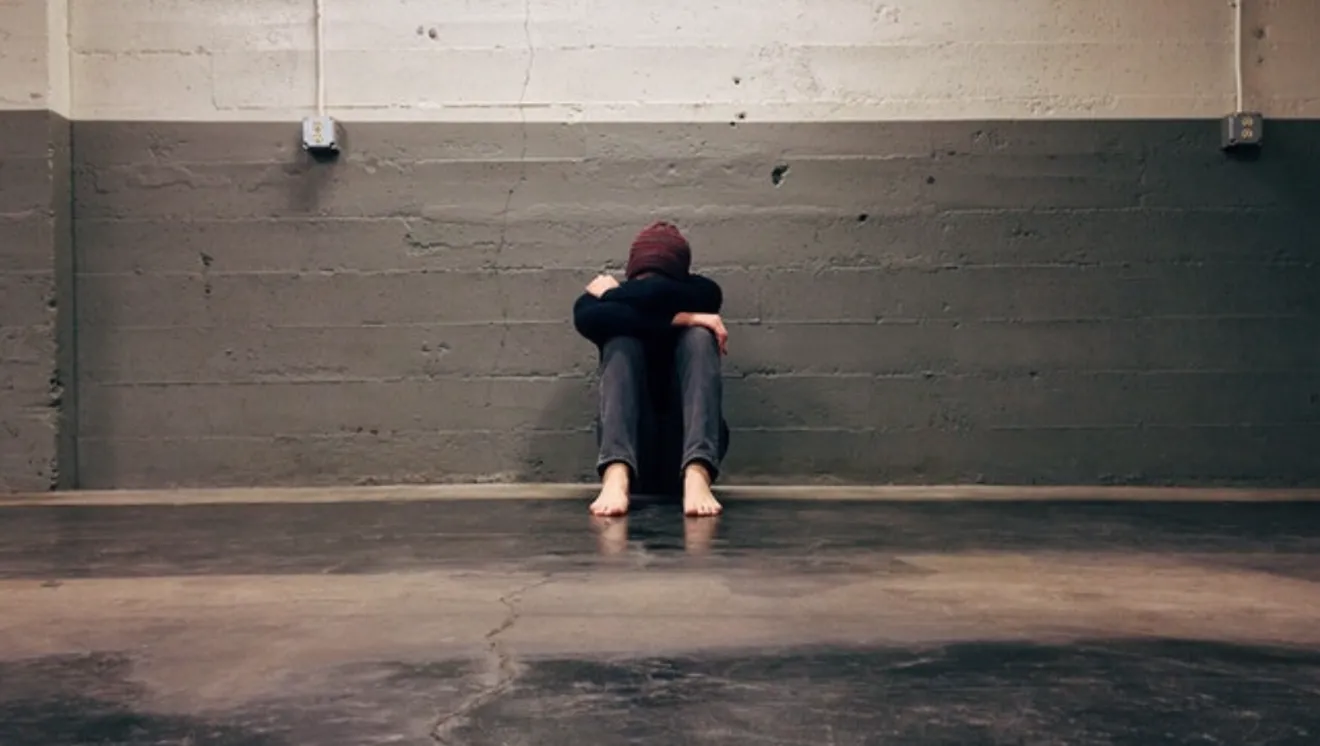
(697, 364)
(622, 394)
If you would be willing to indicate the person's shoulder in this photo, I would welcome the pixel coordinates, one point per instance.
(707, 294)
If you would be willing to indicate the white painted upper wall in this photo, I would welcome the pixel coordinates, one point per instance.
(690, 60)
(59, 62)
(23, 54)
(35, 55)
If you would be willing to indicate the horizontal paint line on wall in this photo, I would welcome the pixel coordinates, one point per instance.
(1134, 268)
(599, 218)
(402, 164)
(899, 110)
(1302, 431)
(841, 267)
(999, 295)
(255, 354)
(485, 191)
(947, 322)
(572, 41)
(806, 492)
(354, 432)
(807, 241)
(793, 403)
(594, 214)
(383, 380)
(917, 375)
(588, 377)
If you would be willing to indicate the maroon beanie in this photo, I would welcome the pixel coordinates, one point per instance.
(662, 249)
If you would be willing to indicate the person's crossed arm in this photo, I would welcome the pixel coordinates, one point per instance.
(649, 306)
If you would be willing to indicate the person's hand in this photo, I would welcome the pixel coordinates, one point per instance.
(602, 285)
(711, 321)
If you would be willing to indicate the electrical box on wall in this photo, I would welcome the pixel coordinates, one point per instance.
(320, 136)
(1243, 130)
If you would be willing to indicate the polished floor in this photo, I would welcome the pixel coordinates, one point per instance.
(784, 622)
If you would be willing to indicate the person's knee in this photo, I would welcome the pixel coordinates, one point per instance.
(698, 340)
(629, 348)
(623, 356)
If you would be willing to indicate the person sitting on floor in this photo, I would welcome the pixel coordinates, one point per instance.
(660, 339)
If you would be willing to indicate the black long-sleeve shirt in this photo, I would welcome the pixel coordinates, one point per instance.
(644, 307)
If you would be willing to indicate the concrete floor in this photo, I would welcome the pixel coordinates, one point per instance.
(271, 619)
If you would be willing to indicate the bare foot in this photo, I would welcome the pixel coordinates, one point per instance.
(613, 498)
(698, 500)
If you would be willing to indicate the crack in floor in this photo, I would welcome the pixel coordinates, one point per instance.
(505, 667)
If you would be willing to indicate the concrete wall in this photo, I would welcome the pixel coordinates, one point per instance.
(35, 247)
(1003, 245)
(917, 302)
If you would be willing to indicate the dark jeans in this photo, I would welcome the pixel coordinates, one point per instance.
(658, 443)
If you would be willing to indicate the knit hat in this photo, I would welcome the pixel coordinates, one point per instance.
(662, 249)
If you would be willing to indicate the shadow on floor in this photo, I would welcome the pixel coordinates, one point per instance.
(89, 699)
(1093, 693)
(1098, 692)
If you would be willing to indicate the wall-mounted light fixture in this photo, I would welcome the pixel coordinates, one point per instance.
(1241, 129)
(319, 133)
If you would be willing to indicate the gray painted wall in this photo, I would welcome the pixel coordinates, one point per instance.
(36, 274)
(1031, 302)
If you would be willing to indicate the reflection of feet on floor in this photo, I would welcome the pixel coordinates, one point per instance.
(613, 498)
(698, 500)
(611, 534)
(698, 533)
